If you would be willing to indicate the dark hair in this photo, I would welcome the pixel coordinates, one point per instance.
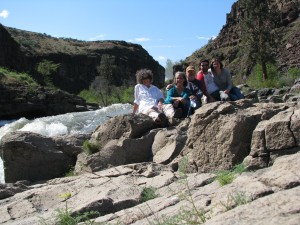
(203, 61)
(216, 59)
(143, 74)
(182, 74)
(177, 67)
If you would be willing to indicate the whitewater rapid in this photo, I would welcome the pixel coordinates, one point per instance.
(69, 123)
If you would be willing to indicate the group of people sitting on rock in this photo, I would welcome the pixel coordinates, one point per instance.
(186, 92)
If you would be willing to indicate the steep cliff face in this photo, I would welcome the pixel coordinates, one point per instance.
(227, 45)
(10, 51)
(115, 62)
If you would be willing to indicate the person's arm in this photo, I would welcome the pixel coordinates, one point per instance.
(199, 93)
(228, 81)
(185, 95)
(135, 108)
(169, 98)
(160, 103)
(136, 99)
(169, 86)
(200, 76)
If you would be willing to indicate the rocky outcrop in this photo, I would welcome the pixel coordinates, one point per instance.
(33, 102)
(178, 164)
(80, 62)
(227, 44)
(122, 140)
(218, 136)
(274, 137)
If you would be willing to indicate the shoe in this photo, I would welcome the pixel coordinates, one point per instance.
(178, 113)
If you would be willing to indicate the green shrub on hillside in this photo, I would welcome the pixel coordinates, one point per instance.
(255, 79)
(47, 68)
(289, 78)
(109, 95)
(8, 76)
(276, 79)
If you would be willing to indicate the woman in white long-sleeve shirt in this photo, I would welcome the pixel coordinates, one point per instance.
(148, 99)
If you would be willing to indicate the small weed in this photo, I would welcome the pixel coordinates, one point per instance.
(227, 176)
(236, 199)
(240, 168)
(65, 217)
(188, 217)
(90, 148)
(148, 193)
(70, 173)
(182, 167)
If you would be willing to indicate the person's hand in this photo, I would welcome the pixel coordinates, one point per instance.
(193, 97)
(226, 91)
(176, 103)
(182, 100)
(160, 105)
(169, 86)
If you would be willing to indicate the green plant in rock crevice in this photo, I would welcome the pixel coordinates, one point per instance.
(90, 148)
(227, 176)
(65, 217)
(147, 194)
(189, 214)
(236, 199)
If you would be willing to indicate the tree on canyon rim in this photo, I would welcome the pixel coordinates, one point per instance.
(259, 37)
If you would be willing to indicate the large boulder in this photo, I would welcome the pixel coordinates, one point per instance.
(220, 134)
(128, 126)
(277, 136)
(33, 157)
(168, 143)
(117, 152)
(121, 140)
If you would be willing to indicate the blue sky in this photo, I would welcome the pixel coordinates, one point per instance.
(167, 29)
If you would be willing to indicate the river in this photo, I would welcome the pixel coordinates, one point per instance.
(69, 123)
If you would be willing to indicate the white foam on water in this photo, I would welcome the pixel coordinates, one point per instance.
(69, 123)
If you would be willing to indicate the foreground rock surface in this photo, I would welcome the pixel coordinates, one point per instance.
(177, 163)
(270, 195)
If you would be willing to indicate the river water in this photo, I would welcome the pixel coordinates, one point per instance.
(69, 123)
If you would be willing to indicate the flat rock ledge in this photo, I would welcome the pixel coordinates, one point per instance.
(265, 196)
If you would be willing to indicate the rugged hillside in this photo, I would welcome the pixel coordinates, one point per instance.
(227, 45)
(79, 61)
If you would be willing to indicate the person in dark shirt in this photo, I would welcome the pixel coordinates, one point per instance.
(195, 87)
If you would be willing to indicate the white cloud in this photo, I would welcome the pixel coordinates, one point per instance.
(163, 46)
(161, 58)
(98, 37)
(143, 39)
(4, 14)
(203, 38)
(206, 38)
